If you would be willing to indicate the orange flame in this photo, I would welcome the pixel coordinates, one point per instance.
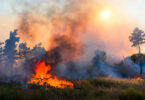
(42, 77)
(139, 79)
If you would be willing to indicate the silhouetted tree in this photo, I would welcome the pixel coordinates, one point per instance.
(24, 51)
(30, 56)
(135, 59)
(100, 56)
(10, 51)
(138, 38)
(99, 64)
(37, 51)
(1, 52)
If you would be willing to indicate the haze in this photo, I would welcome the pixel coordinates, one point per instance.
(119, 19)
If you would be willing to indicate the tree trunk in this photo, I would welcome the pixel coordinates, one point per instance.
(140, 60)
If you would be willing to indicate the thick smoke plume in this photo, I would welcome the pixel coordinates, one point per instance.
(72, 46)
(50, 18)
(75, 18)
(19, 64)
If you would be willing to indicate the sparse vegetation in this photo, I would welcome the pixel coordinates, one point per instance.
(96, 89)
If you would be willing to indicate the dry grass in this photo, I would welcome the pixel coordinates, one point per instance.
(95, 89)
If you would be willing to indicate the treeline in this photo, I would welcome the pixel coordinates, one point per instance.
(17, 61)
(14, 55)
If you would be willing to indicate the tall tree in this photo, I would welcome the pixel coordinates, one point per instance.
(1, 52)
(138, 38)
(10, 51)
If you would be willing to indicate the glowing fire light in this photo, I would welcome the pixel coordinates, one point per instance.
(139, 79)
(42, 77)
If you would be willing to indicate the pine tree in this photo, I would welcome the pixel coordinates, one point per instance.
(24, 51)
(1, 52)
(10, 51)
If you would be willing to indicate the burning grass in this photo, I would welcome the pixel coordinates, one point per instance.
(96, 89)
(43, 77)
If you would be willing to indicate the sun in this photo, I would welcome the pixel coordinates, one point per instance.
(105, 14)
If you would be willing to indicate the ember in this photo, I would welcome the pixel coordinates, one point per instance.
(42, 77)
(139, 79)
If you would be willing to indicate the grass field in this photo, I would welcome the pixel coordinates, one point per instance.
(96, 89)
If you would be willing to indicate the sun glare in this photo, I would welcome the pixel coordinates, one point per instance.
(105, 14)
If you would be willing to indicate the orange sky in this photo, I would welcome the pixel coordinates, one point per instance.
(7, 25)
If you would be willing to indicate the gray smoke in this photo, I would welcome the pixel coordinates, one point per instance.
(70, 47)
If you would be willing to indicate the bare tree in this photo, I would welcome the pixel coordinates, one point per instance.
(138, 38)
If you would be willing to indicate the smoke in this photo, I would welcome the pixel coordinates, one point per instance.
(127, 68)
(98, 67)
(71, 35)
(76, 19)
(48, 19)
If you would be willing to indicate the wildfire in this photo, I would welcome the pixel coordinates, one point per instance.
(139, 79)
(42, 77)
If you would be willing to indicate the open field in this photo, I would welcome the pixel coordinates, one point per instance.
(96, 89)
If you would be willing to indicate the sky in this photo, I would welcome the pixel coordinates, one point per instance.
(132, 8)
(124, 16)
(7, 19)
